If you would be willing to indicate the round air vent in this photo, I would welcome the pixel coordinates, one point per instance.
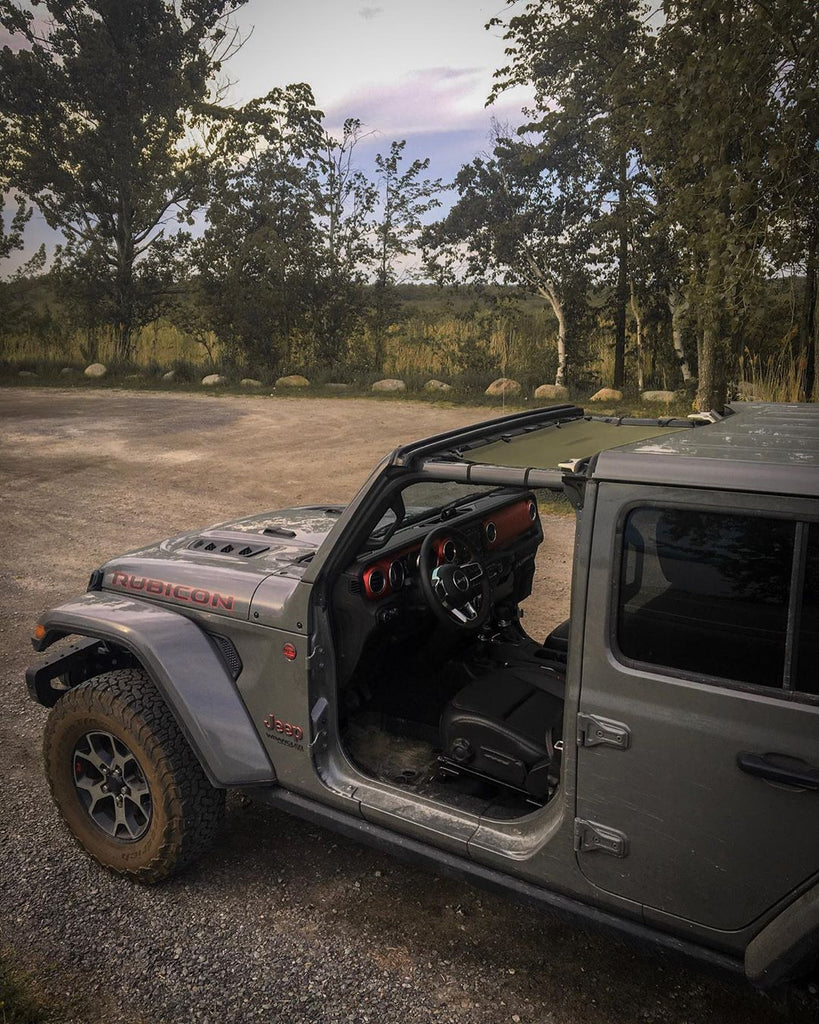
(491, 532)
(376, 582)
(532, 511)
(449, 551)
(396, 575)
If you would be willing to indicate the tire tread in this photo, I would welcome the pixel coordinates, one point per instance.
(130, 697)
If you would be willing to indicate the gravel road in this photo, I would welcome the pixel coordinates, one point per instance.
(282, 921)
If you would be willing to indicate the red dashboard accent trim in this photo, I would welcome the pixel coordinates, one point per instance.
(383, 566)
(510, 522)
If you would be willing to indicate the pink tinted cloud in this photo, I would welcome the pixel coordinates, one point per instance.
(428, 100)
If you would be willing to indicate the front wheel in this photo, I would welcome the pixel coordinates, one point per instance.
(125, 779)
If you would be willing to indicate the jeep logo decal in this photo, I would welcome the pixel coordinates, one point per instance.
(284, 732)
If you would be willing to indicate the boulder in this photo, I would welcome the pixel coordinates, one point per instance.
(607, 395)
(553, 391)
(659, 396)
(338, 386)
(212, 379)
(67, 371)
(169, 377)
(27, 373)
(295, 380)
(96, 370)
(437, 385)
(250, 382)
(389, 384)
(504, 386)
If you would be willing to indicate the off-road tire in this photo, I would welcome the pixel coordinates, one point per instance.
(186, 811)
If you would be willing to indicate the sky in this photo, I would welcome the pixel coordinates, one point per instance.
(414, 69)
(419, 70)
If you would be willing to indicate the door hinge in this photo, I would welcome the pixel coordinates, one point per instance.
(590, 837)
(594, 732)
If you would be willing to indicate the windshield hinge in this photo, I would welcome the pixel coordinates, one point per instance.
(593, 731)
(591, 837)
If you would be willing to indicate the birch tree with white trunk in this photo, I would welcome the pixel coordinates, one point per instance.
(518, 222)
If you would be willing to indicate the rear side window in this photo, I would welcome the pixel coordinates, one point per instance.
(708, 593)
(807, 665)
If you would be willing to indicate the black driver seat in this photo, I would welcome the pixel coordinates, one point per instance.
(505, 724)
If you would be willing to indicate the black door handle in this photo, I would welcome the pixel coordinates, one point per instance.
(779, 768)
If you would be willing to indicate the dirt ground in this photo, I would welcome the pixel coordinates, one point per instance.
(281, 921)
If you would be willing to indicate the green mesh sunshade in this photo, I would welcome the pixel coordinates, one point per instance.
(576, 439)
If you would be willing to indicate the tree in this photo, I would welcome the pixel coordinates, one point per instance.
(259, 256)
(101, 113)
(724, 70)
(346, 203)
(12, 239)
(404, 198)
(517, 221)
(794, 162)
(586, 60)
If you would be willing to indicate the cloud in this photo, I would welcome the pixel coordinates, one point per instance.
(440, 99)
(368, 13)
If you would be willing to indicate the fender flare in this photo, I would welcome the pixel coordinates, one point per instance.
(189, 673)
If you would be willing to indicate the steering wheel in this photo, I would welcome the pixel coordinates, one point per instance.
(453, 588)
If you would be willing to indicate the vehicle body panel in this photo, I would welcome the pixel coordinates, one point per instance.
(186, 667)
(706, 842)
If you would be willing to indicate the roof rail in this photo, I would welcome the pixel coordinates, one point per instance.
(489, 430)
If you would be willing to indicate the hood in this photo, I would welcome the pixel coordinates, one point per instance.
(219, 568)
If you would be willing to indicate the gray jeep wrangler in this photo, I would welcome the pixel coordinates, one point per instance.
(651, 766)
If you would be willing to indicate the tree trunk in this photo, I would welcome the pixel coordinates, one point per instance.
(560, 376)
(808, 338)
(562, 330)
(713, 369)
(677, 307)
(638, 320)
(622, 294)
(124, 285)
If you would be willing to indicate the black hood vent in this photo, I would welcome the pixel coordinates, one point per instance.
(205, 544)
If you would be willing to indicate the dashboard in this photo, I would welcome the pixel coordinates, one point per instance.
(378, 602)
(493, 531)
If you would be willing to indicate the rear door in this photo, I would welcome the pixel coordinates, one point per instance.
(698, 763)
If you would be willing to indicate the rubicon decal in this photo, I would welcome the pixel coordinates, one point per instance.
(175, 591)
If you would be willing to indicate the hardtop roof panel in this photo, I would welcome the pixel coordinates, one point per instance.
(773, 448)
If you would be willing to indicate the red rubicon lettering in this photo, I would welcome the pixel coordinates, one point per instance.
(175, 591)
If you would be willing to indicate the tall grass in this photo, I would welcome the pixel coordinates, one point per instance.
(160, 343)
(470, 350)
(780, 377)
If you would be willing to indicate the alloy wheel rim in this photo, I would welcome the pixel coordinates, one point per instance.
(111, 785)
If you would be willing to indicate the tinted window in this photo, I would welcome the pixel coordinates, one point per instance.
(706, 593)
(807, 666)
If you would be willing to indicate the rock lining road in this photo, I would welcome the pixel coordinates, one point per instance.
(282, 921)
